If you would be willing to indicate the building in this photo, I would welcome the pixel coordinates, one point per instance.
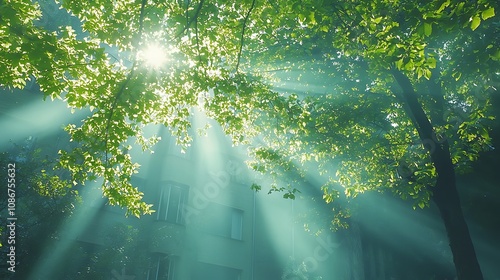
(204, 210)
(202, 224)
(205, 222)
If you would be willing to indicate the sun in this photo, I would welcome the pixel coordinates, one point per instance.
(154, 55)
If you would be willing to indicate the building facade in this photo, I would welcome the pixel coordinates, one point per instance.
(202, 227)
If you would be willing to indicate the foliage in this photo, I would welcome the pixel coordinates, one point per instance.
(361, 123)
(121, 249)
(251, 67)
(294, 271)
(40, 205)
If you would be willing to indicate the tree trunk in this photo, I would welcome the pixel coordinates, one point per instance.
(445, 196)
(444, 193)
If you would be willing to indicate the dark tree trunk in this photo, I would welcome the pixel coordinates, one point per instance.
(444, 193)
(445, 196)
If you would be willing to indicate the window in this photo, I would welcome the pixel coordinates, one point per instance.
(224, 221)
(236, 223)
(172, 200)
(161, 268)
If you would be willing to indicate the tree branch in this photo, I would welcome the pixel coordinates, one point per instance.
(438, 149)
(195, 17)
(124, 84)
(243, 34)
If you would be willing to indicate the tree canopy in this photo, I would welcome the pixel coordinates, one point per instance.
(360, 118)
(382, 90)
(224, 58)
(43, 205)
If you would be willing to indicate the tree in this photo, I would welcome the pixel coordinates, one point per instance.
(398, 118)
(403, 101)
(120, 253)
(40, 205)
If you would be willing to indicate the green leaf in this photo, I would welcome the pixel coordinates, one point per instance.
(488, 13)
(399, 64)
(496, 55)
(431, 62)
(476, 21)
(420, 72)
(427, 29)
(456, 75)
(409, 66)
(427, 74)
(484, 133)
(312, 18)
(443, 6)
(256, 187)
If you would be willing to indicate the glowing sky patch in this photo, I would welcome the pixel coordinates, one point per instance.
(154, 55)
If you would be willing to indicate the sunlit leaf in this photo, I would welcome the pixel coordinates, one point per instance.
(476, 21)
(399, 63)
(421, 205)
(489, 13)
(427, 74)
(431, 62)
(496, 55)
(427, 29)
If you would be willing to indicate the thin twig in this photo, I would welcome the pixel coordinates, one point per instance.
(243, 34)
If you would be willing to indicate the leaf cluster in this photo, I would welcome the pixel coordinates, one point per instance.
(302, 81)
